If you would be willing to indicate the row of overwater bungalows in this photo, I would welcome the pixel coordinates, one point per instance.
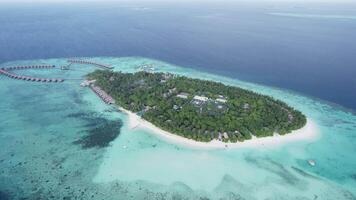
(29, 78)
(103, 95)
(90, 63)
(29, 67)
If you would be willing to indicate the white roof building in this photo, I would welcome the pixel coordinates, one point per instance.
(221, 100)
(183, 95)
(201, 98)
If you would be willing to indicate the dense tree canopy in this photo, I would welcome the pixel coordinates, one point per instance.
(199, 109)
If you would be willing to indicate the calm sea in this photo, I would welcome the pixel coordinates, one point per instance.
(309, 48)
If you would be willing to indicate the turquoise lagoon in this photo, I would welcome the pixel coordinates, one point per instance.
(52, 147)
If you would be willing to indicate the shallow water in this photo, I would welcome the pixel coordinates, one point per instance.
(41, 157)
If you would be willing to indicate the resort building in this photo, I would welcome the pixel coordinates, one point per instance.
(172, 90)
(221, 99)
(176, 107)
(87, 83)
(226, 136)
(183, 95)
(200, 98)
(246, 106)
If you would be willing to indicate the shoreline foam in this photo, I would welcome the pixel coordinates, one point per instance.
(309, 132)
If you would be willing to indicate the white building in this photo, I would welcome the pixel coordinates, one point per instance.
(183, 95)
(221, 100)
(246, 106)
(201, 98)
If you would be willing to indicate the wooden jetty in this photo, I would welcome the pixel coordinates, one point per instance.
(104, 66)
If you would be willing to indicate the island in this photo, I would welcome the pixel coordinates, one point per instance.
(197, 109)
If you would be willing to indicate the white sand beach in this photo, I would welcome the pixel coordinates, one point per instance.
(309, 132)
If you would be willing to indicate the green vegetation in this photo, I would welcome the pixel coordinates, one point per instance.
(199, 109)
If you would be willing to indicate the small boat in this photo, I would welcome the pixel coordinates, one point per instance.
(311, 162)
(124, 146)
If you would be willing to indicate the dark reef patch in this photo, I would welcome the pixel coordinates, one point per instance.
(353, 176)
(82, 115)
(101, 135)
(4, 196)
(276, 168)
(77, 98)
(99, 130)
(304, 173)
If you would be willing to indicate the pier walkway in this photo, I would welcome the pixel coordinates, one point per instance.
(7, 72)
(104, 66)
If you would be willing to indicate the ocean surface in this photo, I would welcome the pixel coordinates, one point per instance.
(305, 47)
(60, 141)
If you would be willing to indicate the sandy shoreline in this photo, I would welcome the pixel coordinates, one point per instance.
(309, 132)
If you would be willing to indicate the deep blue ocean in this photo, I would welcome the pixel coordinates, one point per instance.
(308, 48)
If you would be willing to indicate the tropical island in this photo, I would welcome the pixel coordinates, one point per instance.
(197, 109)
